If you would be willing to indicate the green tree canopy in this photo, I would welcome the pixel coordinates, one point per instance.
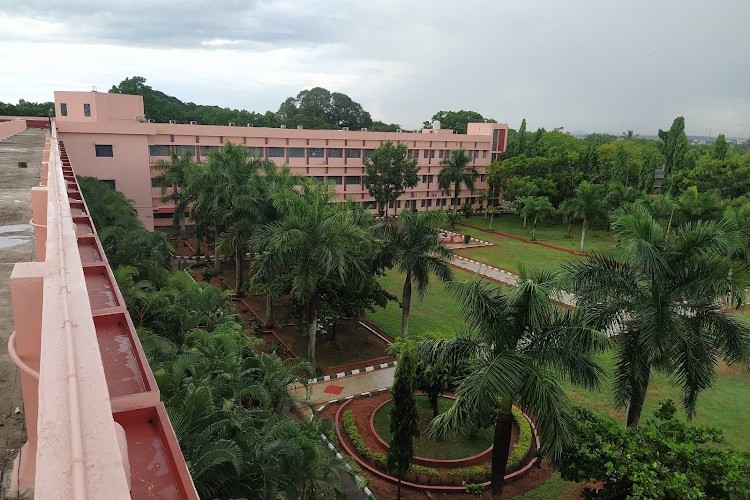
(388, 172)
(457, 120)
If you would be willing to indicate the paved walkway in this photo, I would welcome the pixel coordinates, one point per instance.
(353, 385)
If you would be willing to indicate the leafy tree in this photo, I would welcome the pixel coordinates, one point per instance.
(719, 148)
(588, 205)
(665, 458)
(660, 293)
(319, 108)
(674, 145)
(695, 205)
(378, 126)
(457, 120)
(456, 171)
(519, 346)
(26, 108)
(388, 172)
(317, 242)
(492, 211)
(414, 247)
(174, 175)
(404, 420)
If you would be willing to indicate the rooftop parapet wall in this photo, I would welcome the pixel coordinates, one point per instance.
(96, 427)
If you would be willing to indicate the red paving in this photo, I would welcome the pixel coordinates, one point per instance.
(333, 389)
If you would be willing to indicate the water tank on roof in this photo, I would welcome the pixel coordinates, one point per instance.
(436, 125)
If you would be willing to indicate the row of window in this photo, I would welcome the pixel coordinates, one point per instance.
(64, 109)
(278, 152)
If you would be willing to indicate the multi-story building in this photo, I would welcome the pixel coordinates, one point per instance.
(109, 137)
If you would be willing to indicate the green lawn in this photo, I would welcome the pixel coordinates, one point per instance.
(553, 489)
(743, 316)
(460, 446)
(724, 405)
(551, 232)
(507, 253)
(436, 315)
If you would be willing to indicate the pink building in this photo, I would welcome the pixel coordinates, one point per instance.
(107, 136)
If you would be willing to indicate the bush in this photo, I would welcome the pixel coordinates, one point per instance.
(523, 446)
(467, 239)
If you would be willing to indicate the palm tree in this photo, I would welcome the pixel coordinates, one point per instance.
(316, 241)
(520, 346)
(175, 174)
(738, 220)
(588, 205)
(662, 294)
(536, 208)
(413, 245)
(456, 171)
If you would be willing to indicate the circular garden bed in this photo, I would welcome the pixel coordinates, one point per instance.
(363, 430)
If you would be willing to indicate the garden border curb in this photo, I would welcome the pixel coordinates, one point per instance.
(347, 373)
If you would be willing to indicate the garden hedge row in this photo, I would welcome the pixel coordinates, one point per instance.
(475, 473)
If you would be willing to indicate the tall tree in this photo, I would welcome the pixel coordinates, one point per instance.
(661, 294)
(404, 420)
(519, 346)
(457, 120)
(674, 145)
(536, 208)
(457, 171)
(388, 172)
(174, 176)
(588, 205)
(316, 241)
(414, 247)
(719, 148)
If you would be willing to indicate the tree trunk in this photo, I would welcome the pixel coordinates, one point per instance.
(433, 397)
(217, 262)
(238, 272)
(197, 244)
(405, 305)
(570, 228)
(525, 222)
(583, 232)
(312, 330)
(636, 402)
(269, 310)
(491, 219)
(333, 330)
(501, 447)
(183, 231)
(533, 230)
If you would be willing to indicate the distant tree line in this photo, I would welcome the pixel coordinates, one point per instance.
(25, 108)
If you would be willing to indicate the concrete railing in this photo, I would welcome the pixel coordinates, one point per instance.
(96, 428)
(11, 127)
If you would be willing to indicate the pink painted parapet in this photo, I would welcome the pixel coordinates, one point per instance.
(11, 127)
(96, 427)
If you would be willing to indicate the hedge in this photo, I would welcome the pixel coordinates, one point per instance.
(475, 473)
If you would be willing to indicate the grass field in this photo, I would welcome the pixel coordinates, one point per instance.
(547, 232)
(435, 316)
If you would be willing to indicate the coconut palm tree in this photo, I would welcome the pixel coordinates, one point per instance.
(520, 346)
(457, 171)
(174, 175)
(663, 294)
(316, 241)
(588, 204)
(414, 247)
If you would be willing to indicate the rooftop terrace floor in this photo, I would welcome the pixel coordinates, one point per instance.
(16, 245)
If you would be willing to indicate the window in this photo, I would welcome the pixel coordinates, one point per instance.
(424, 179)
(426, 153)
(87, 110)
(335, 179)
(104, 150)
(335, 153)
(368, 153)
(156, 182)
(353, 179)
(314, 152)
(429, 203)
(432, 153)
(318, 178)
(422, 202)
(207, 150)
(481, 177)
(162, 215)
(368, 205)
(181, 150)
(353, 153)
(495, 138)
(158, 150)
(398, 203)
(254, 151)
(440, 153)
(296, 152)
(275, 152)
(63, 109)
(484, 154)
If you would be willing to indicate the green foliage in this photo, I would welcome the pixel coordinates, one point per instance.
(317, 108)
(457, 120)
(664, 458)
(388, 172)
(475, 489)
(26, 108)
(404, 421)
(456, 171)
(674, 145)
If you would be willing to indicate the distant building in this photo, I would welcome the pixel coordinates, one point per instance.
(109, 137)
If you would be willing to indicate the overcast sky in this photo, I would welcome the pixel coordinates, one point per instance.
(583, 65)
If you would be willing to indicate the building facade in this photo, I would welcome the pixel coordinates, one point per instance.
(109, 137)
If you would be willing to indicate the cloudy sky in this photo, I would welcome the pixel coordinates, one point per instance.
(588, 65)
